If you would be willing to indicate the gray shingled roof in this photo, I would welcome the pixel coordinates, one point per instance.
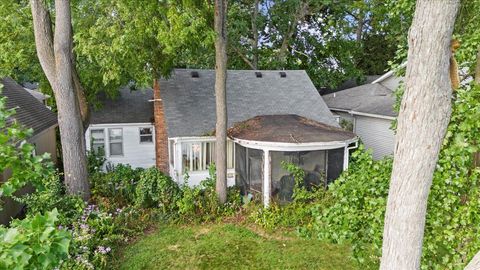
(367, 98)
(189, 103)
(30, 112)
(128, 107)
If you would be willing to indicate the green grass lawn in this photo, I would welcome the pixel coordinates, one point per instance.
(226, 246)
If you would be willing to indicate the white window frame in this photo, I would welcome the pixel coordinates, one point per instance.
(144, 135)
(179, 146)
(104, 139)
(110, 142)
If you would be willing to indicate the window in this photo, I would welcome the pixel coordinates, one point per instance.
(98, 140)
(171, 154)
(146, 135)
(115, 136)
(198, 156)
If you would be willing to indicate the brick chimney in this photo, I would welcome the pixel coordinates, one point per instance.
(161, 137)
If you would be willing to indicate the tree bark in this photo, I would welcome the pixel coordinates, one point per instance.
(360, 23)
(298, 17)
(474, 263)
(220, 97)
(422, 123)
(255, 34)
(55, 56)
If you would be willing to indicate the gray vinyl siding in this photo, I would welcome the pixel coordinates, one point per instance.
(376, 134)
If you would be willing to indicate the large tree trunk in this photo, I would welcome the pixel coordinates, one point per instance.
(221, 97)
(422, 123)
(255, 34)
(55, 55)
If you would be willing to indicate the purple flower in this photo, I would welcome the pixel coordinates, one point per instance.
(103, 250)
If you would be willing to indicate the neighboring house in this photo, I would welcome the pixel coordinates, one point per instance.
(271, 117)
(368, 110)
(30, 113)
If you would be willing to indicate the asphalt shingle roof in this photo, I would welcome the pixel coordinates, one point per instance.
(30, 112)
(367, 98)
(129, 107)
(189, 103)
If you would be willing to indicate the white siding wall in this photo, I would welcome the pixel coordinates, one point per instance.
(134, 153)
(376, 134)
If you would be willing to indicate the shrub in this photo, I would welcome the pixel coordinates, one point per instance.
(119, 184)
(200, 203)
(95, 161)
(52, 195)
(155, 189)
(296, 214)
(34, 243)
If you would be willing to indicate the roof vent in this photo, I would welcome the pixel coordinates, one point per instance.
(195, 74)
(283, 74)
(258, 74)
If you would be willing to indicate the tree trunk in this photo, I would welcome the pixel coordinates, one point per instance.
(476, 155)
(55, 56)
(297, 18)
(221, 98)
(422, 123)
(255, 34)
(360, 23)
(474, 263)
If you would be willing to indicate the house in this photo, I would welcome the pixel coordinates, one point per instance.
(30, 113)
(367, 110)
(273, 116)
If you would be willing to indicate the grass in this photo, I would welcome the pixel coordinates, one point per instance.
(227, 246)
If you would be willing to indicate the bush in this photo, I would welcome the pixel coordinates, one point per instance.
(155, 189)
(118, 184)
(34, 243)
(296, 214)
(200, 203)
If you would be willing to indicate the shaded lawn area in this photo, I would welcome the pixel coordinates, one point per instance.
(227, 246)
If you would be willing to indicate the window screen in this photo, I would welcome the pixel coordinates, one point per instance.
(198, 156)
(98, 140)
(146, 135)
(116, 141)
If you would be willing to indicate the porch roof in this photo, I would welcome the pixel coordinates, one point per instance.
(292, 129)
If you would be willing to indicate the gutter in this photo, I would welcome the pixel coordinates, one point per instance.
(352, 112)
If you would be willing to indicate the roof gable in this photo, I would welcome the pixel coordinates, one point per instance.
(30, 112)
(189, 103)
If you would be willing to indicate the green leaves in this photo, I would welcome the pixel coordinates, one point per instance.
(17, 155)
(34, 243)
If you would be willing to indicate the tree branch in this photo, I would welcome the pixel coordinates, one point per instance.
(244, 58)
(42, 26)
(299, 16)
(477, 68)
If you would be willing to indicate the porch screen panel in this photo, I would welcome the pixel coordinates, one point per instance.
(255, 170)
(314, 164)
(335, 164)
(241, 169)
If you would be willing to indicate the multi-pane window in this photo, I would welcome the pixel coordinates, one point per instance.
(198, 156)
(115, 137)
(146, 135)
(98, 140)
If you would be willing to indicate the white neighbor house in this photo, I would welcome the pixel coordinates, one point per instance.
(369, 109)
(271, 119)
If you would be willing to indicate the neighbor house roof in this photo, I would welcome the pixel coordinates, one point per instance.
(287, 129)
(349, 84)
(368, 98)
(131, 106)
(30, 112)
(189, 102)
